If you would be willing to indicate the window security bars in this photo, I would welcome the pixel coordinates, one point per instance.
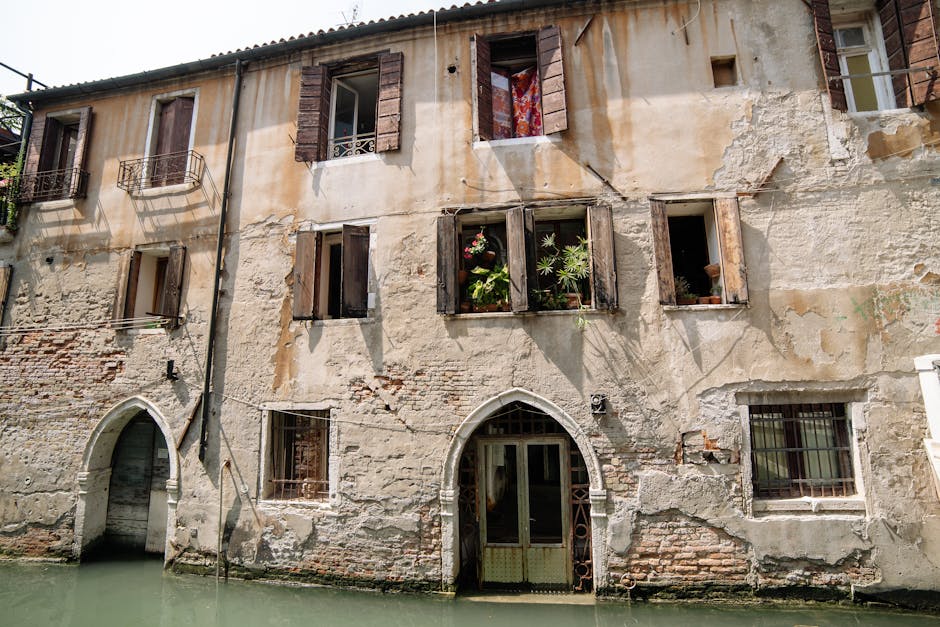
(352, 145)
(173, 168)
(801, 450)
(300, 443)
(50, 185)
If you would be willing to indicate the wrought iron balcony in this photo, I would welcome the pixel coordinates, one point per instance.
(49, 185)
(351, 145)
(175, 168)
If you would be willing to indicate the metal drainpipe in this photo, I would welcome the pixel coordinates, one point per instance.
(214, 313)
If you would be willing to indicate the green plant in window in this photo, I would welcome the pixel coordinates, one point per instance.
(490, 287)
(566, 270)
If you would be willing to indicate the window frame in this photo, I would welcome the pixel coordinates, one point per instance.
(874, 49)
(339, 80)
(265, 475)
(67, 183)
(153, 129)
(126, 299)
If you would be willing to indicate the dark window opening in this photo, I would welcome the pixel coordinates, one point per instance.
(516, 88)
(300, 455)
(335, 267)
(689, 248)
(484, 262)
(562, 264)
(724, 72)
(154, 285)
(331, 274)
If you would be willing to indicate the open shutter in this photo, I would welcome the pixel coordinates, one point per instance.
(81, 143)
(6, 277)
(130, 294)
(733, 270)
(826, 42)
(603, 259)
(388, 127)
(552, 74)
(33, 155)
(355, 286)
(910, 42)
(447, 264)
(313, 114)
(483, 91)
(662, 252)
(173, 285)
(306, 274)
(520, 236)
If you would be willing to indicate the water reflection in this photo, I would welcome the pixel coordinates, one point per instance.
(105, 594)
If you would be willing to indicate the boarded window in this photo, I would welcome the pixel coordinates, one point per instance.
(331, 274)
(55, 157)
(699, 251)
(154, 285)
(300, 448)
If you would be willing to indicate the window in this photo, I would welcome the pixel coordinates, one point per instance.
(520, 85)
(154, 284)
(878, 55)
(699, 252)
(299, 455)
(349, 109)
(331, 274)
(724, 72)
(170, 140)
(801, 450)
(55, 158)
(518, 259)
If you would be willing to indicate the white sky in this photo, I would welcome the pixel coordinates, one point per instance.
(69, 41)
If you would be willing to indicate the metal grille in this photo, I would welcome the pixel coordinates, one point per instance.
(51, 185)
(352, 145)
(300, 442)
(520, 419)
(581, 554)
(175, 168)
(801, 450)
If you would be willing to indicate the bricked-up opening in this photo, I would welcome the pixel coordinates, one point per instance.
(521, 465)
(801, 450)
(300, 448)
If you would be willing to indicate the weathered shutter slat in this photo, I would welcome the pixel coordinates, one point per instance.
(447, 264)
(603, 257)
(483, 93)
(733, 269)
(552, 74)
(173, 286)
(6, 278)
(33, 155)
(518, 266)
(81, 143)
(894, 48)
(826, 43)
(662, 252)
(133, 276)
(391, 68)
(313, 114)
(920, 47)
(306, 275)
(355, 286)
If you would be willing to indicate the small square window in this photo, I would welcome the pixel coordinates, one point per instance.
(154, 284)
(299, 455)
(331, 274)
(724, 72)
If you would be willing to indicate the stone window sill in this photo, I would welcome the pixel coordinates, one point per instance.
(721, 307)
(515, 141)
(526, 314)
(339, 322)
(275, 505)
(810, 505)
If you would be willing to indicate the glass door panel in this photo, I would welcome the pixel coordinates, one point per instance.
(545, 494)
(502, 494)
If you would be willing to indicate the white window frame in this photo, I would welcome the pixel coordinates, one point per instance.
(150, 145)
(354, 138)
(877, 59)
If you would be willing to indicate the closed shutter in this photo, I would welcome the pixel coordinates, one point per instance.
(603, 258)
(173, 285)
(483, 91)
(733, 269)
(388, 127)
(313, 114)
(33, 156)
(6, 278)
(133, 276)
(910, 42)
(306, 275)
(520, 234)
(662, 252)
(447, 264)
(826, 43)
(552, 74)
(355, 286)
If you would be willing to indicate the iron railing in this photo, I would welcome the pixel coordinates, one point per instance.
(8, 189)
(174, 168)
(351, 145)
(51, 185)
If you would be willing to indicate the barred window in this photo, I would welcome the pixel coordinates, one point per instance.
(300, 449)
(801, 450)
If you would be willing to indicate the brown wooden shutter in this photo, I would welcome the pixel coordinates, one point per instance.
(733, 269)
(81, 143)
(447, 264)
(603, 258)
(483, 89)
(355, 287)
(133, 276)
(662, 252)
(388, 126)
(552, 74)
(313, 114)
(910, 42)
(173, 285)
(6, 278)
(520, 234)
(306, 275)
(33, 156)
(826, 43)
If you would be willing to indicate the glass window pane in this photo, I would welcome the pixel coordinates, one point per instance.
(345, 116)
(863, 89)
(502, 490)
(545, 525)
(848, 37)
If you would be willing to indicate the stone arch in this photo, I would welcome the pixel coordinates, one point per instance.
(95, 474)
(450, 536)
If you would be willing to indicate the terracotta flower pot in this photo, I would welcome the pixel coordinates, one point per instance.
(714, 300)
(683, 300)
(704, 300)
(462, 276)
(713, 270)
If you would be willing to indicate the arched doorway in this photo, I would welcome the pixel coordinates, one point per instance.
(522, 502)
(129, 482)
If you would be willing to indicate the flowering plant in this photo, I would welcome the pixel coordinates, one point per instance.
(477, 246)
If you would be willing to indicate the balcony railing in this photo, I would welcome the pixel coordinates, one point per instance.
(351, 145)
(175, 168)
(50, 185)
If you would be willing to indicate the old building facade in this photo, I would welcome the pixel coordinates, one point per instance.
(446, 337)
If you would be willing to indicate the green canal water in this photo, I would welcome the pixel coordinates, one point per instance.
(139, 593)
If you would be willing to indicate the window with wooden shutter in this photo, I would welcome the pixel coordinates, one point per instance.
(306, 270)
(170, 156)
(826, 44)
(910, 40)
(355, 273)
(172, 283)
(603, 259)
(552, 75)
(698, 251)
(331, 274)
(388, 131)
(520, 236)
(447, 264)
(313, 114)
(55, 156)
(153, 285)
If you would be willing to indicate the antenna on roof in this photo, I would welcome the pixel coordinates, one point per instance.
(353, 14)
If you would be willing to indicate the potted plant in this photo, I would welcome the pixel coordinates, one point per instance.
(489, 291)
(568, 267)
(478, 251)
(715, 298)
(684, 294)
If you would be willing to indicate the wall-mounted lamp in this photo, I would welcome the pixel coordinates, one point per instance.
(171, 373)
(598, 404)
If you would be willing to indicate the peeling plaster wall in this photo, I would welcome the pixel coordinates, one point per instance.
(838, 218)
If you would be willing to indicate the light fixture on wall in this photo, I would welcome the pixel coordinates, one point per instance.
(598, 404)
